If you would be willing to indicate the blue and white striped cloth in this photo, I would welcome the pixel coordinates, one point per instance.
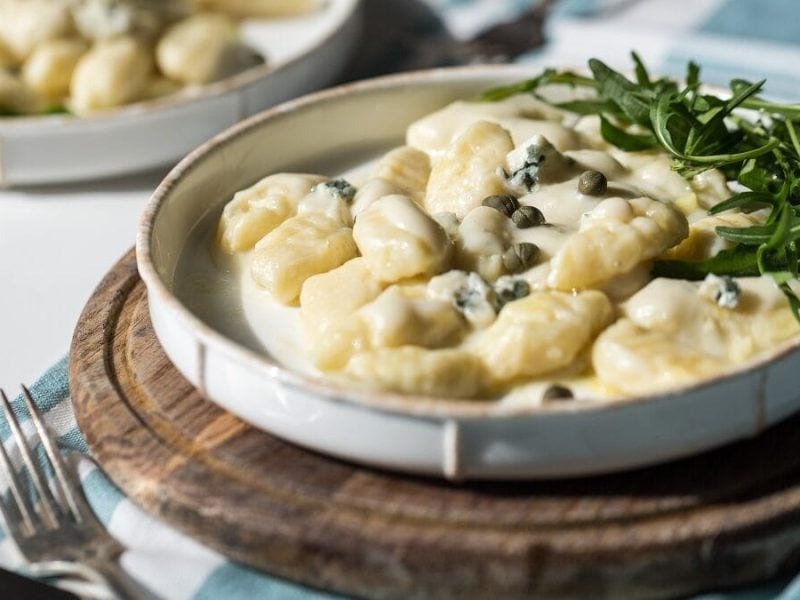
(729, 38)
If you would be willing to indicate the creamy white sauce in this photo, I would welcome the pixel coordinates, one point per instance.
(421, 312)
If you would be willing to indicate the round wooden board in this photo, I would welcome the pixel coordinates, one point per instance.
(724, 518)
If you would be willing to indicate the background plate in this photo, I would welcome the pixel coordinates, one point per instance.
(303, 54)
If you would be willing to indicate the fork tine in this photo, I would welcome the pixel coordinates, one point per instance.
(64, 481)
(45, 496)
(15, 485)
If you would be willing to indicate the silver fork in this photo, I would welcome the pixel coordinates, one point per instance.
(59, 535)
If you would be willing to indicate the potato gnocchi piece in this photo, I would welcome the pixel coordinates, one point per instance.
(331, 198)
(24, 24)
(48, 70)
(328, 302)
(703, 242)
(405, 168)
(398, 240)
(346, 311)
(330, 296)
(192, 50)
(634, 360)
(615, 237)
(300, 247)
(483, 236)
(710, 188)
(674, 333)
(435, 132)
(373, 190)
(336, 343)
(563, 138)
(443, 373)
(470, 170)
(200, 49)
(16, 97)
(259, 209)
(729, 329)
(114, 72)
(541, 333)
(652, 174)
(407, 316)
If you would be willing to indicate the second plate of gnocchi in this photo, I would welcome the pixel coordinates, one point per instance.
(426, 282)
(97, 88)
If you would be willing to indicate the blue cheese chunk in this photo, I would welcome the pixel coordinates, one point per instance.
(537, 161)
(469, 293)
(724, 290)
(331, 198)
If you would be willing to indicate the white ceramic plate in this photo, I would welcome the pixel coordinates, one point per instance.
(456, 440)
(303, 54)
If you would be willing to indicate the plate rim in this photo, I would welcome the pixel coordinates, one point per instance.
(190, 94)
(392, 403)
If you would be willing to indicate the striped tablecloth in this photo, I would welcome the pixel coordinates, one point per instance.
(730, 38)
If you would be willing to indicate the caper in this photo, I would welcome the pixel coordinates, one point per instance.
(505, 204)
(509, 289)
(527, 216)
(520, 256)
(592, 183)
(557, 392)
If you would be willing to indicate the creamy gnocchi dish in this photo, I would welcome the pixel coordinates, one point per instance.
(83, 56)
(506, 249)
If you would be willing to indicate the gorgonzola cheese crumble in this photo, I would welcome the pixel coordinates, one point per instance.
(505, 247)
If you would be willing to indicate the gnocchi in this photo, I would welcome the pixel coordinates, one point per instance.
(469, 170)
(483, 258)
(399, 240)
(82, 56)
(298, 248)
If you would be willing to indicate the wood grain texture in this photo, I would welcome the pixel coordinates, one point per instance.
(720, 519)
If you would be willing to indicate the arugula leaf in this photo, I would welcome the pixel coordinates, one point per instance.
(622, 139)
(744, 201)
(740, 261)
(760, 150)
(548, 77)
(624, 93)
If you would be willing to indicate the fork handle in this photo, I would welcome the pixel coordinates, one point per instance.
(109, 572)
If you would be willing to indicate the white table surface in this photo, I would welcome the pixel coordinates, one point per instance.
(56, 243)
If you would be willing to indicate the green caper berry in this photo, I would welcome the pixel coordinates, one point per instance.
(505, 204)
(592, 183)
(528, 252)
(511, 261)
(520, 256)
(528, 216)
(557, 392)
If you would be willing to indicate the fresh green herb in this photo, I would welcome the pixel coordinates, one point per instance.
(753, 141)
(57, 109)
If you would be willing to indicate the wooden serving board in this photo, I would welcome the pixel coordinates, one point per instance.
(724, 518)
